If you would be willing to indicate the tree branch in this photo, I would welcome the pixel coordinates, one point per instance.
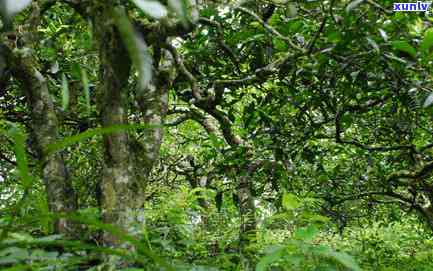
(271, 29)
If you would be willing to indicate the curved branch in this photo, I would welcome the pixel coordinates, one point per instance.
(179, 63)
(271, 29)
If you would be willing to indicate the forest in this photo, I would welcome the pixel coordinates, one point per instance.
(206, 135)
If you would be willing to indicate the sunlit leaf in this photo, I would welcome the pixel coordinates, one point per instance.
(151, 8)
(41, 255)
(290, 201)
(13, 255)
(86, 88)
(404, 46)
(306, 233)
(427, 41)
(20, 156)
(274, 255)
(353, 5)
(383, 34)
(55, 67)
(373, 44)
(65, 93)
(345, 259)
(21, 236)
(216, 142)
(51, 237)
(429, 100)
(137, 48)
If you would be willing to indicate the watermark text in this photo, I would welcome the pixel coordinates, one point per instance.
(418, 6)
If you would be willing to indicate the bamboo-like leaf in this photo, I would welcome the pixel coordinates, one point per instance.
(427, 41)
(353, 5)
(86, 88)
(151, 8)
(68, 141)
(373, 44)
(404, 46)
(383, 34)
(429, 100)
(19, 140)
(65, 93)
(137, 48)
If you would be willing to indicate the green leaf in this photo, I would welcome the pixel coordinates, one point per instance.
(306, 233)
(383, 34)
(429, 100)
(274, 255)
(353, 5)
(427, 41)
(20, 267)
(151, 8)
(373, 44)
(13, 255)
(86, 88)
(136, 47)
(42, 255)
(216, 142)
(68, 141)
(65, 93)
(333, 36)
(318, 218)
(404, 46)
(21, 236)
(51, 237)
(290, 201)
(19, 140)
(345, 259)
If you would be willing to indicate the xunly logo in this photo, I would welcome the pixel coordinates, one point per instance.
(418, 6)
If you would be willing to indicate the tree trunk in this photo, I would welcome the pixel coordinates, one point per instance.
(121, 192)
(247, 211)
(44, 123)
(153, 105)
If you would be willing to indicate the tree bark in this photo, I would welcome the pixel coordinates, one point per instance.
(44, 123)
(121, 192)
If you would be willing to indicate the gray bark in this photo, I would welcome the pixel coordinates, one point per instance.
(121, 192)
(58, 185)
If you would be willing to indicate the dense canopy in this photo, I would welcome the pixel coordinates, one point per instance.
(215, 135)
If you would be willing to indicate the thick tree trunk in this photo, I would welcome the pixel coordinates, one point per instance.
(121, 191)
(153, 105)
(60, 194)
(44, 124)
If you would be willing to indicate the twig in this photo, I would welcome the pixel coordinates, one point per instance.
(271, 29)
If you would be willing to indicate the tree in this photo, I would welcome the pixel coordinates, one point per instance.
(274, 114)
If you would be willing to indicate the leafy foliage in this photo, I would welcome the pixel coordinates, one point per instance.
(185, 135)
